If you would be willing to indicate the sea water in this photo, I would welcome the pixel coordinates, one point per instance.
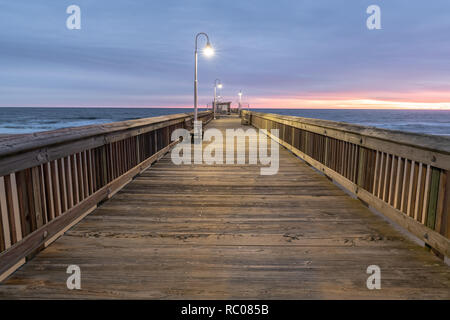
(29, 120)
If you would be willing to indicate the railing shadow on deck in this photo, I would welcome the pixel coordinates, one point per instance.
(405, 176)
(50, 180)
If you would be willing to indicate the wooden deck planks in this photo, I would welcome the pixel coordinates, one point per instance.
(224, 231)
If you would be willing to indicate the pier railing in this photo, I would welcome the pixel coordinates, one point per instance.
(405, 176)
(51, 180)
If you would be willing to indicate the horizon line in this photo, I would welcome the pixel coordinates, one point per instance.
(244, 108)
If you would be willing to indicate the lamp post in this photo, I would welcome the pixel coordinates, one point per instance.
(240, 101)
(208, 51)
(216, 85)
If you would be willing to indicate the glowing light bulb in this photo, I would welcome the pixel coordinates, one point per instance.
(208, 51)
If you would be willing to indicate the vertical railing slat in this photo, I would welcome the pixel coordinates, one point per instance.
(16, 207)
(56, 187)
(10, 208)
(74, 175)
(417, 191)
(426, 194)
(397, 182)
(49, 191)
(43, 194)
(4, 215)
(375, 178)
(37, 201)
(69, 183)
(443, 207)
(63, 185)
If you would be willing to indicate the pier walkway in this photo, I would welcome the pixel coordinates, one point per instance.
(227, 232)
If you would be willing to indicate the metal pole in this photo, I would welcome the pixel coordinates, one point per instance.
(195, 73)
(215, 95)
(195, 84)
(215, 86)
(240, 101)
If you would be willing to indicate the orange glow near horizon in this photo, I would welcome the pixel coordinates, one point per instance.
(275, 103)
(298, 103)
(423, 100)
(417, 100)
(429, 101)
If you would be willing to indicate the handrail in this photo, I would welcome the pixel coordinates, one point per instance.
(50, 180)
(405, 176)
(14, 149)
(425, 141)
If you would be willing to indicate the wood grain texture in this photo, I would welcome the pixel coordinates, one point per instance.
(225, 231)
(5, 224)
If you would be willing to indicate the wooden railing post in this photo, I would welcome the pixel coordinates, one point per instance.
(442, 224)
(361, 167)
(138, 149)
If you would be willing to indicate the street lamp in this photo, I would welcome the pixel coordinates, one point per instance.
(216, 85)
(207, 51)
(240, 100)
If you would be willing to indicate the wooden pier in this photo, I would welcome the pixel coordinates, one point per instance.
(110, 200)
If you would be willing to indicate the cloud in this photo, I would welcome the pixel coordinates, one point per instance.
(141, 53)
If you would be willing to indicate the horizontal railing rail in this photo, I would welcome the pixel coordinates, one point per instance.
(51, 180)
(405, 176)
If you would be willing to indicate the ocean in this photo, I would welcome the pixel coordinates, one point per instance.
(29, 120)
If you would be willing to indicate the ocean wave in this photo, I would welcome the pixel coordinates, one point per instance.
(29, 120)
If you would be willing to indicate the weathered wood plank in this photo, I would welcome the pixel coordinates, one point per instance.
(6, 234)
(226, 231)
(433, 198)
(11, 209)
(37, 211)
(15, 207)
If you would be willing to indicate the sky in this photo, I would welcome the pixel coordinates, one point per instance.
(281, 54)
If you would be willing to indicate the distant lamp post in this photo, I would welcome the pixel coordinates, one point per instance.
(240, 100)
(217, 84)
(207, 51)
